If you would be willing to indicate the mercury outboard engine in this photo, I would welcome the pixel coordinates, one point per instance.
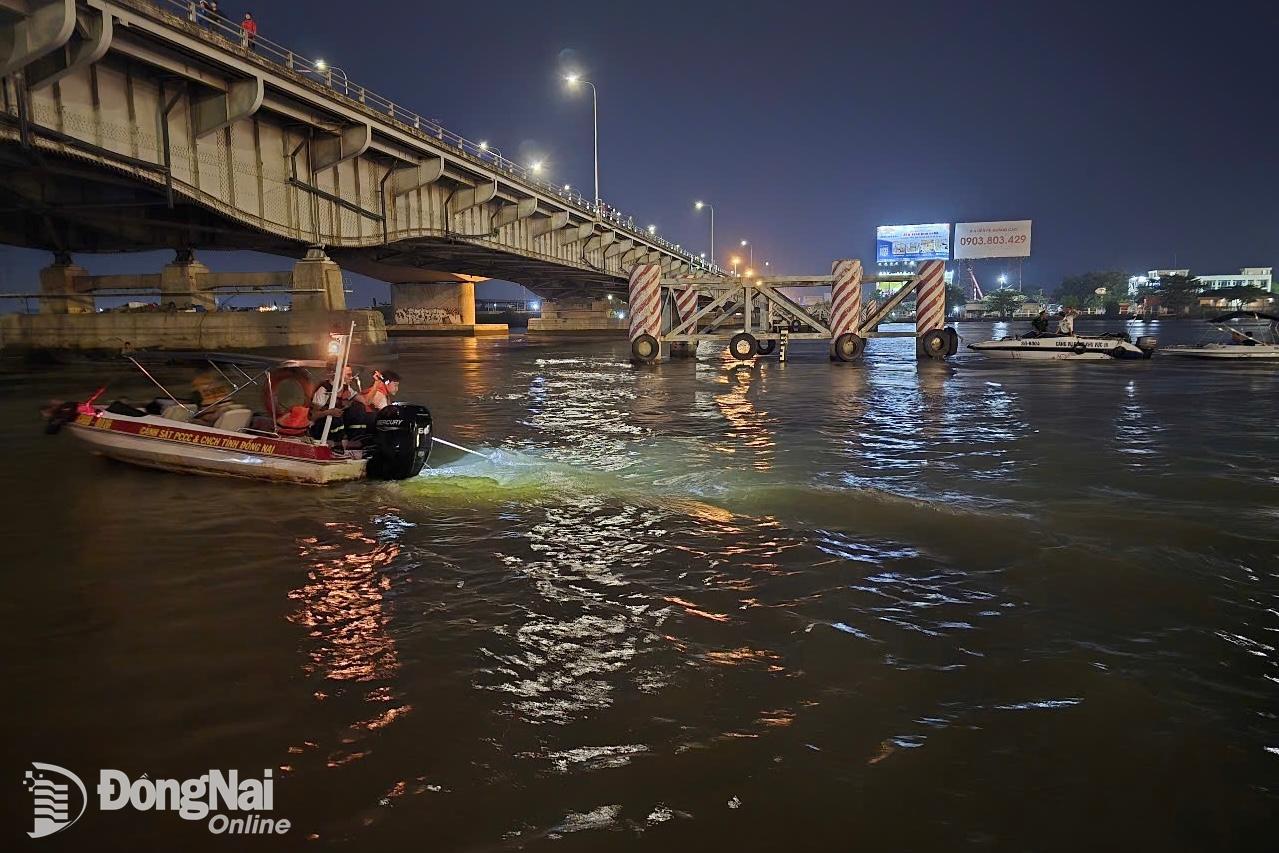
(401, 441)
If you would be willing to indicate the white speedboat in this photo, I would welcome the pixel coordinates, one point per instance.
(1252, 336)
(267, 447)
(1067, 347)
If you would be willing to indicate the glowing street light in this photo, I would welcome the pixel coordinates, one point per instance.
(536, 166)
(746, 243)
(485, 147)
(573, 80)
(1003, 278)
(698, 205)
(735, 261)
(327, 70)
(652, 229)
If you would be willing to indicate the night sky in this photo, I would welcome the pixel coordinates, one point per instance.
(1134, 135)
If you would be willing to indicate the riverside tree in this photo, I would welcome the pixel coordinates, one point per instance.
(1004, 302)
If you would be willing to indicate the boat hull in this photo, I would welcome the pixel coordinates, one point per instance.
(1261, 352)
(210, 452)
(1060, 349)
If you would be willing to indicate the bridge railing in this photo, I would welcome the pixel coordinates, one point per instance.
(337, 80)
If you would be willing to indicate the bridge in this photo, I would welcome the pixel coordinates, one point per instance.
(143, 124)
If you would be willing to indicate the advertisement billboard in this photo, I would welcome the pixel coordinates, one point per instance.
(897, 243)
(992, 239)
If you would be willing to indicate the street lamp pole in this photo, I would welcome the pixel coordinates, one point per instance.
(699, 205)
(751, 246)
(573, 80)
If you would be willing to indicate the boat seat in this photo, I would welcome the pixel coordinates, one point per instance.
(176, 413)
(234, 419)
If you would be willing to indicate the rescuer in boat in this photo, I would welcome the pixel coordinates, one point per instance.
(363, 409)
(1067, 325)
(1040, 324)
(320, 407)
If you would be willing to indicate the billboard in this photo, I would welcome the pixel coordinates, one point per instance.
(897, 243)
(992, 239)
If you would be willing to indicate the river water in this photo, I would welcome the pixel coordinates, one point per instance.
(693, 606)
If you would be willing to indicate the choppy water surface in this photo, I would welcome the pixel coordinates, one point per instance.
(695, 606)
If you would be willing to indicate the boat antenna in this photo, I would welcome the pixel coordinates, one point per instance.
(460, 447)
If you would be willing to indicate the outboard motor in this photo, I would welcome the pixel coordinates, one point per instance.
(1147, 344)
(401, 441)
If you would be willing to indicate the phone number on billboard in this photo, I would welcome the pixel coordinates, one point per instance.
(993, 240)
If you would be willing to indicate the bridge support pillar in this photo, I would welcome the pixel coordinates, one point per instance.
(317, 283)
(182, 283)
(436, 304)
(580, 315)
(59, 282)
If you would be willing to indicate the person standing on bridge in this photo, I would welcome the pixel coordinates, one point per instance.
(250, 28)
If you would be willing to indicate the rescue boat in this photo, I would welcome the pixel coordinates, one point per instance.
(163, 436)
(1112, 347)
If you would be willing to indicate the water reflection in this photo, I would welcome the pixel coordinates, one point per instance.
(343, 606)
(583, 630)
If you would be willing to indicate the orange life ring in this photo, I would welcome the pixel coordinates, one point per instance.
(282, 377)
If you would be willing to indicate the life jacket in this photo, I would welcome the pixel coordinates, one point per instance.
(370, 393)
(296, 421)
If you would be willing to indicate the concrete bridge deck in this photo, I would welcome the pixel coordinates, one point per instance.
(131, 125)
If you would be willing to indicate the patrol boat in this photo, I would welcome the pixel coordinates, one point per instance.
(1033, 347)
(164, 436)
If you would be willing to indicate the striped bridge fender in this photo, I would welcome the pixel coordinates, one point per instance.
(930, 297)
(645, 300)
(686, 301)
(845, 296)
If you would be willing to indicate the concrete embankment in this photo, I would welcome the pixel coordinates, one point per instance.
(184, 330)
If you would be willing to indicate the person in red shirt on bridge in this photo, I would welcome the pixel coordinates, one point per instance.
(250, 28)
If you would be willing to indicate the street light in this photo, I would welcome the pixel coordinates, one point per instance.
(573, 80)
(698, 205)
(484, 146)
(536, 166)
(746, 243)
(652, 229)
(735, 261)
(327, 70)
(1003, 278)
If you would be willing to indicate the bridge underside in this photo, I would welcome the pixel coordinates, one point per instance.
(64, 205)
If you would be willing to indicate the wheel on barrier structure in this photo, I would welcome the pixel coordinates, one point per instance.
(766, 347)
(796, 326)
(952, 338)
(848, 347)
(935, 344)
(743, 345)
(645, 348)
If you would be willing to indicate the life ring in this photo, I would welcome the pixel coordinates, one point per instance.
(283, 377)
(1079, 349)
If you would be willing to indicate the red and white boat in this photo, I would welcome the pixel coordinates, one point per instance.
(398, 447)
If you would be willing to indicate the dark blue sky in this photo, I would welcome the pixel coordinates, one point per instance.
(1133, 134)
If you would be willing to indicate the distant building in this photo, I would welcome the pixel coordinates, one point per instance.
(1262, 277)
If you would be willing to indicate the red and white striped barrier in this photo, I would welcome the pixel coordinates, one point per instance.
(930, 297)
(686, 302)
(845, 297)
(646, 300)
